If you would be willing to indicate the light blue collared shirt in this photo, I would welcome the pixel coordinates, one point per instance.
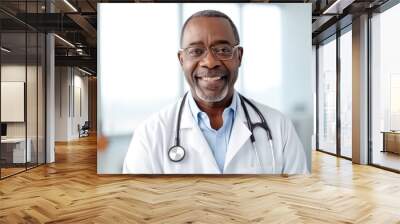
(217, 139)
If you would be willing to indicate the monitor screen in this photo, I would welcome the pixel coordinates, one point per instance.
(3, 129)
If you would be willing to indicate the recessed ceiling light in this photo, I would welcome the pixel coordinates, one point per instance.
(5, 50)
(84, 71)
(64, 40)
(338, 6)
(71, 6)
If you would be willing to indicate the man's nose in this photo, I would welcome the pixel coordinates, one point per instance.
(209, 61)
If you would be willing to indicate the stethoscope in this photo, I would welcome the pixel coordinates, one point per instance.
(176, 153)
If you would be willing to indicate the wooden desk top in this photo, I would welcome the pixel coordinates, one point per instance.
(391, 132)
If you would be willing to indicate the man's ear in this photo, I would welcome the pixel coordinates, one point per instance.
(240, 55)
(180, 57)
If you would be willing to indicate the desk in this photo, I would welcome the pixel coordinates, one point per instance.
(391, 141)
(15, 148)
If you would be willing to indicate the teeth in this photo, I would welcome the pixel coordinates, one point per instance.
(211, 78)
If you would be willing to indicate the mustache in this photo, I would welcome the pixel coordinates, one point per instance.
(211, 73)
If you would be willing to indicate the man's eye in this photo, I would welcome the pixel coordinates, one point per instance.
(195, 52)
(223, 50)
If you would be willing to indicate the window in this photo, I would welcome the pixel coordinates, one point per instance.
(385, 87)
(327, 97)
(346, 94)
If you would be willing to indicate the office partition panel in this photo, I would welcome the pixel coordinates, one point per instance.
(41, 91)
(31, 100)
(15, 149)
(22, 76)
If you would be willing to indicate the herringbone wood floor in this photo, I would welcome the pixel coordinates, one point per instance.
(70, 191)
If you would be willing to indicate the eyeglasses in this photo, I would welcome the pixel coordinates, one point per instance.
(219, 51)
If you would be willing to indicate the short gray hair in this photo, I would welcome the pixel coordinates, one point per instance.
(211, 13)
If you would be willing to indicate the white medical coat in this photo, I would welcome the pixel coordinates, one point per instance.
(148, 150)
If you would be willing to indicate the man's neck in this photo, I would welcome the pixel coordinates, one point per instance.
(214, 110)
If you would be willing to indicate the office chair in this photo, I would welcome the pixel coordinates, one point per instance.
(84, 130)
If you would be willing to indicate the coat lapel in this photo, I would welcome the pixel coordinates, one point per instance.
(239, 135)
(197, 141)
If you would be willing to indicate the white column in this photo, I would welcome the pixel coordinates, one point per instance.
(50, 92)
(360, 90)
(50, 110)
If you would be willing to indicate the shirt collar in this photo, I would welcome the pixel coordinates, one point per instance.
(196, 110)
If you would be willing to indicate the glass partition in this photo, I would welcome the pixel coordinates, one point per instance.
(41, 91)
(31, 100)
(14, 153)
(32, 81)
(22, 77)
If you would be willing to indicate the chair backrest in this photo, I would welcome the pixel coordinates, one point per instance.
(86, 124)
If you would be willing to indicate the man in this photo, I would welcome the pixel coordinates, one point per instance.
(208, 131)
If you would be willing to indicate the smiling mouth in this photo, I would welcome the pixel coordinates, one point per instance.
(210, 79)
(212, 83)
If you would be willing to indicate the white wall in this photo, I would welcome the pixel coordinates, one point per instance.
(12, 73)
(80, 83)
(69, 82)
(61, 103)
